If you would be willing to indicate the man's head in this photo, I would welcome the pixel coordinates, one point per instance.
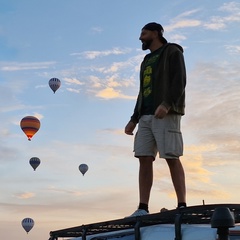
(150, 32)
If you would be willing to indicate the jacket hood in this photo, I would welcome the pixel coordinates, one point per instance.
(176, 45)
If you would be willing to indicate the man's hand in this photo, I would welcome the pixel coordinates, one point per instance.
(161, 112)
(130, 127)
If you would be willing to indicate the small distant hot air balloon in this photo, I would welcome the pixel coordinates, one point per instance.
(34, 162)
(83, 168)
(27, 224)
(30, 125)
(54, 84)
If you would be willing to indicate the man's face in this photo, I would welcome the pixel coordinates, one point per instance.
(146, 37)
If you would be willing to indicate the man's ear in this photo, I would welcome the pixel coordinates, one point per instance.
(155, 34)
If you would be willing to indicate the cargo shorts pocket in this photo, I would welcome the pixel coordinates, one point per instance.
(173, 143)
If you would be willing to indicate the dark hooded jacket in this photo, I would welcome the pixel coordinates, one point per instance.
(169, 84)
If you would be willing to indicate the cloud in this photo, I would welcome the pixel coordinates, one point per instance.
(185, 23)
(131, 63)
(95, 81)
(35, 114)
(95, 54)
(9, 92)
(7, 154)
(188, 13)
(233, 49)
(111, 88)
(71, 81)
(112, 131)
(109, 81)
(11, 107)
(15, 66)
(193, 161)
(64, 191)
(25, 195)
(91, 204)
(38, 115)
(200, 177)
(116, 66)
(232, 10)
(232, 7)
(210, 129)
(73, 90)
(205, 193)
(96, 30)
(177, 38)
(218, 80)
(217, 22)
(110, 93)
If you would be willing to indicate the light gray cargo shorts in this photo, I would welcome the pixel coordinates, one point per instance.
(159, 135)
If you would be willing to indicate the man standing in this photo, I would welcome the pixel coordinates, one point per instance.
(158, 110)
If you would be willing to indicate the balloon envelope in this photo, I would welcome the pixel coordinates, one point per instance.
(34, 162)
(83, 168)
(30, 125)
(54, 84)
(27, 224)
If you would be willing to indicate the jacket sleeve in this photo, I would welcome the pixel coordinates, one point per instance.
(177, 78)
(135, 116)
(137, 110)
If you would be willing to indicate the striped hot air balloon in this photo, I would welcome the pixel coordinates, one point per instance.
(27, 224)
(54, 84)
(34, 162)
(30, 125)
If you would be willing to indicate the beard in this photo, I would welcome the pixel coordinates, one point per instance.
(146, 45)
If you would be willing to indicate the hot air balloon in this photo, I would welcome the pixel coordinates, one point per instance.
(30, 125)
(34, 162)
(83, 168)
(27, 224)
(54, 84)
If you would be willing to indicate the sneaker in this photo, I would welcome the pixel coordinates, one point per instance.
(139, 212)
(181, 207)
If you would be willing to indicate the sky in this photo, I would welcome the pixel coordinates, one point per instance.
(93, 47)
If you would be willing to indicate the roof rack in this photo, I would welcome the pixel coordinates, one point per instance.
(200, 214)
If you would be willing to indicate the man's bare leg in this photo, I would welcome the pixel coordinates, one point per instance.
(145, 178)
(178, 178)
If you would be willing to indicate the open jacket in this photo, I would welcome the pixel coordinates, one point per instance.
(170, 81)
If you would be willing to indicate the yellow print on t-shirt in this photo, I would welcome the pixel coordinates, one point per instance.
(147, 71)
(146, 81)
(152, 59)
(147, 92)
(147, 85)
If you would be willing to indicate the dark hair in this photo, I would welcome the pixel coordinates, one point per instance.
(153, 26)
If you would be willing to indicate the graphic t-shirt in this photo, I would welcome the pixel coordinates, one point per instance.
(150, 65)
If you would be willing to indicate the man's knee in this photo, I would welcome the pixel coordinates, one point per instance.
(146, 159)
(173, 162)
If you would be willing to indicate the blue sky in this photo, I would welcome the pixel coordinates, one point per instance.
(93, 48)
